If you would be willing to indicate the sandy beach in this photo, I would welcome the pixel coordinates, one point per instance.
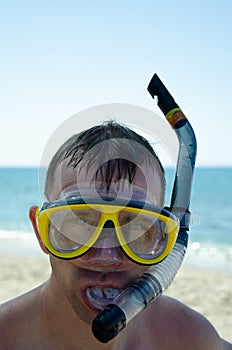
(208, 292)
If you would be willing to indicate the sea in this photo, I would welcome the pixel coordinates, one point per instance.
(210, 235)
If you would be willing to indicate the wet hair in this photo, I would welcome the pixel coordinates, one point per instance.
(123, 149)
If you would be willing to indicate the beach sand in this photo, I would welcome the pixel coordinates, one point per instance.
(208, 292)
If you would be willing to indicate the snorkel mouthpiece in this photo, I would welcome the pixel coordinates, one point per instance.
(109, 323)
(140, 293)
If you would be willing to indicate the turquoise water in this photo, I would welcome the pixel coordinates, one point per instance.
(210, 237)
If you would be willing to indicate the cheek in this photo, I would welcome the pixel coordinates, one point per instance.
(63, 273)
(66, 277)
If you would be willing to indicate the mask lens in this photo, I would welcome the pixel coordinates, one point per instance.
(71, 229)
(145, 236)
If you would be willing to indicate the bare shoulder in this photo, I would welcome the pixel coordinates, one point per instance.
(16, 318)
(180, 327)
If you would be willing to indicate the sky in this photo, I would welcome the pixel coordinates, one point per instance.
(58, 58)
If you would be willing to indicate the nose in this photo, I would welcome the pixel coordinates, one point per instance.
(106, 249)
(108, 238)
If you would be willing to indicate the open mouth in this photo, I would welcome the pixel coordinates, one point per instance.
(98, 297)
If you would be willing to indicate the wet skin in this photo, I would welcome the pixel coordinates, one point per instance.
(57, 314)
(105, 268)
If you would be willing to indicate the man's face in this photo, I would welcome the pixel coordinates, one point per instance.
(91, 281)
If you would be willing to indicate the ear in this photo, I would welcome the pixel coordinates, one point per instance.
(32, 216)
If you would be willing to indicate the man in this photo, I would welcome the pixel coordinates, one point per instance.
(107, 164)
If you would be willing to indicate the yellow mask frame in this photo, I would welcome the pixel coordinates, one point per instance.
(109, 210)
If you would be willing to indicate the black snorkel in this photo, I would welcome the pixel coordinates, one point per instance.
(140, 293)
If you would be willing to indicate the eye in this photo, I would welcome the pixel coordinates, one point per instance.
(136, 225)
(82, 219)
(88, 217)
(59, 241)
(126, 219)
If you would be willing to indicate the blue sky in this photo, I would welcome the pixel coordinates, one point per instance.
(60, 57)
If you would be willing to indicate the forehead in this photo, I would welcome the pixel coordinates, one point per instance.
(147, 184)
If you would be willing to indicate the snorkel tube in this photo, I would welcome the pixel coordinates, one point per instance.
(140, 293)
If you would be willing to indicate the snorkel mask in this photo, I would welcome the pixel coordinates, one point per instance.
(71, 227)
(140, 293)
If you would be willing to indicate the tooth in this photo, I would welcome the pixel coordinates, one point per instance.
(94, 299)
(110, 293)
(97, 291)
